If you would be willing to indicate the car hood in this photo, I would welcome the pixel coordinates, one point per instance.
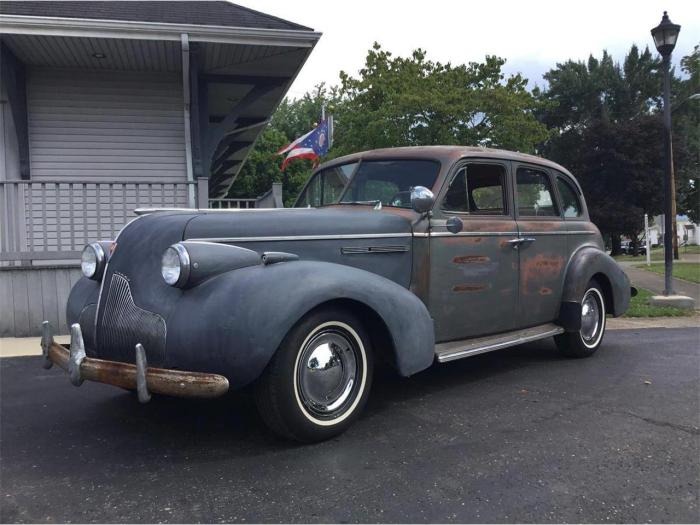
(298, 224)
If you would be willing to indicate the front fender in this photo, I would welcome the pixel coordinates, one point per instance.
(586, 263)
(233, 323)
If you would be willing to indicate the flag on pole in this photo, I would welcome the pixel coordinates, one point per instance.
(313, 145)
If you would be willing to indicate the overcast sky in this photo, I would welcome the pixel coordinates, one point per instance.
(533, 36)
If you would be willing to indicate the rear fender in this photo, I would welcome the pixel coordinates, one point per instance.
(238, 319)
(586, 263)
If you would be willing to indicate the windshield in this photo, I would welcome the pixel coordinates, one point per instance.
(390, 181)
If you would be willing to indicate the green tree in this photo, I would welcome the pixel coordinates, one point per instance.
(686, 137)
(409, 101)
(292, 119)
(608, 131)
(400, 101)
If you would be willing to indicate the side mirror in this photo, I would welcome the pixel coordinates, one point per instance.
(422, 199)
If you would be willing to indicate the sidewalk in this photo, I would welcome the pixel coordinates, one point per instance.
(25, 346)
(655, 282)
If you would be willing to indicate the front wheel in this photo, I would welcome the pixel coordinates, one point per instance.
(587, 340)
(318, 381)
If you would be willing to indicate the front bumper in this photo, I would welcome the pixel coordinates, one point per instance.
(140, 377)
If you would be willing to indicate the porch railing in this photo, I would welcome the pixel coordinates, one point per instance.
(232, 204)
(46, 222)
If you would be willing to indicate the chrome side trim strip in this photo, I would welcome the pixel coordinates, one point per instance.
(357, 250)
(563, 232)
(376, 236)
(303, 237)
(472, 234)
(499, 234)
(497, 342)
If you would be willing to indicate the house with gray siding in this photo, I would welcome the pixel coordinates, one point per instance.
(106, 107)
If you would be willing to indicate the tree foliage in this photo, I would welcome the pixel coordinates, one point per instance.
(400, 101)
(409, 101)
(608, 130)
(599, 118)
(686, 137)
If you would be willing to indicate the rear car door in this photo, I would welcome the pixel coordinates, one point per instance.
(473, 272)
(543, 245)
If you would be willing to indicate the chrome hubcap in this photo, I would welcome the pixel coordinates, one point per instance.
(328, 371)
(590, 316)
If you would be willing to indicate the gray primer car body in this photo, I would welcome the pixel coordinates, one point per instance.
(418, 283)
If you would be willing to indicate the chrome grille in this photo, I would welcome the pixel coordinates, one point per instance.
(124, 325)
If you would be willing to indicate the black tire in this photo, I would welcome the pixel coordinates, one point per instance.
(287, 394)
(588, 339)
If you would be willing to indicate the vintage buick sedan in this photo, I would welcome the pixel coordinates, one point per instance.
(409, 256)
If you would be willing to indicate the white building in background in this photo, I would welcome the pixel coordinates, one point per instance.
(688, 232)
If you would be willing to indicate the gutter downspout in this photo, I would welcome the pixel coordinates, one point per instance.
(185, 44)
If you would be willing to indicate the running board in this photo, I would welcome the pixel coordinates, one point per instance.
(480, 345)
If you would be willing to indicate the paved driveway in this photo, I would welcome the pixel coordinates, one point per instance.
(517, 435)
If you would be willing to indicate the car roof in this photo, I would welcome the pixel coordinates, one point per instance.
(445, 154)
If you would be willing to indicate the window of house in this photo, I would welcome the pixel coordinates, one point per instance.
(535, 195)
(478, 189)
(570, 204)
(326, 186)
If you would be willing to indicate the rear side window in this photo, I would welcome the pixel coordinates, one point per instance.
(478, 189)
(535, 195)
(570, 203)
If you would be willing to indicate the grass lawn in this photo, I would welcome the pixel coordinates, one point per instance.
(657, 254)
(640, 307)
(686, 271)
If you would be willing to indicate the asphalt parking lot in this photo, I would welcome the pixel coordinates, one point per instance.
(519, 435)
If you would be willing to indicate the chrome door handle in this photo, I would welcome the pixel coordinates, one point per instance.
(521, 240)
(516, 242)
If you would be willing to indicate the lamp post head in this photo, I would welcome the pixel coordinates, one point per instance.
(665, 36)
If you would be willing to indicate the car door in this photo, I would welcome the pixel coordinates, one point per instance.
(473, 271)
(543, 245)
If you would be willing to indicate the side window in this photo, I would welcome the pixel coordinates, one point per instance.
(456, 196)
(326, 186)
(535, 195)
(570, 203)
(478, 189)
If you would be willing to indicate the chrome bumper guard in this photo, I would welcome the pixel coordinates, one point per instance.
(140, 377)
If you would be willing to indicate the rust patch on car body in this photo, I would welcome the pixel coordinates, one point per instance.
(540, 268)
(460, 288)
(545, 291)
(470, 259)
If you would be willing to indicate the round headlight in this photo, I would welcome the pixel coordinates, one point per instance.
(92, 261)
(175, 265)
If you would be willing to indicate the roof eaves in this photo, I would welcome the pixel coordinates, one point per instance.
(94, 28)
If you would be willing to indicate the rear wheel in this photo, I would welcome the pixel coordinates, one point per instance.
(318, 381)
(588, 339)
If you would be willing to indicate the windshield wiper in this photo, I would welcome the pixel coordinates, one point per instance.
(363, 203)
(376, 203)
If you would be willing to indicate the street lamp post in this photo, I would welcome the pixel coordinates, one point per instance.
(665, 36)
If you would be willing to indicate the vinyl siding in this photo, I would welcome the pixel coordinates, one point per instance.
(30, 296)
(121, 130)
(115, 126)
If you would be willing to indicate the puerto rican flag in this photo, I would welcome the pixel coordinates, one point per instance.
(313, 145)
